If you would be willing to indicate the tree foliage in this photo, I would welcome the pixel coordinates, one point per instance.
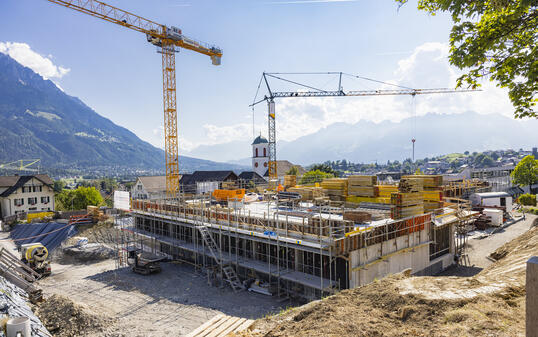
(77, 199)
(496, 39)
(526, 172)
(327, 168)
(293, 171)
(315, 176)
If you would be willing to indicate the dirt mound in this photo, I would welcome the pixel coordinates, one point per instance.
(492, 303)
(380, 309)
(63, 318)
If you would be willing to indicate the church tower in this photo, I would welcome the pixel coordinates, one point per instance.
(260, 155)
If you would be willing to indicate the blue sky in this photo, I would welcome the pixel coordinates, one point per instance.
(117, 73)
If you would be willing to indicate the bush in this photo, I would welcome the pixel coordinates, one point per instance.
(527, 199)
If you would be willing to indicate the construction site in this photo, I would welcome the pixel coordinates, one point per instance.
(265, 252)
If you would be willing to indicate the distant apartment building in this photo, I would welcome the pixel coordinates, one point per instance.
(20, 194)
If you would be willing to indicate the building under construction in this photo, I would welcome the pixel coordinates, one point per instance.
(300, 248)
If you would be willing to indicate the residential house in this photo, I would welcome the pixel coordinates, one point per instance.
(149, 187)
(282, 168)
(207, 181)
(245, 178)
(30, 193)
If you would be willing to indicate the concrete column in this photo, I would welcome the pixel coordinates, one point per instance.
(532, 297)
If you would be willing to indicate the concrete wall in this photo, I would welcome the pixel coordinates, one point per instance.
(531, 301)
(390, 257)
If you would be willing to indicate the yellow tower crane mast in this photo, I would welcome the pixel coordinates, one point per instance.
(168, 39)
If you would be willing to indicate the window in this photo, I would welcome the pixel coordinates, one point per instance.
(18, 202)
(264, 152)
(32, 201)
(441, 244)
(45, 200)
(140, 187)
(255, 164)
(32, 209)
(256, 153)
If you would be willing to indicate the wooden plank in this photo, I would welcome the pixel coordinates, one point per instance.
(223, 321)
(245, 326)
(233, 327)
(223, 327)
(202, 327)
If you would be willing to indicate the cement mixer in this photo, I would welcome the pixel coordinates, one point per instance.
(35, 256)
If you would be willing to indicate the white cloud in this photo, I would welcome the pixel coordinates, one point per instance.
(426, 67)
(22, 53)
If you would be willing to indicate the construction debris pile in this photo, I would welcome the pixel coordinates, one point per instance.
(14, 303)
(64, 318)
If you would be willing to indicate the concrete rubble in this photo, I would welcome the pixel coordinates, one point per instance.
(14, 303)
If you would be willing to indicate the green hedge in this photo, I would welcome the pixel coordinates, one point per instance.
(527, 199)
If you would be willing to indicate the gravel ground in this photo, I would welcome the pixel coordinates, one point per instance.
(481, 245)
(173, 302)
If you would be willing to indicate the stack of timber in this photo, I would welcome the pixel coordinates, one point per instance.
(95, 213)
(290, 180)
(433, 191)
(357, 216)
(363, 186)
(335, 188)
(307, 193)
(429, 182)
(409, 200)
(410, 184)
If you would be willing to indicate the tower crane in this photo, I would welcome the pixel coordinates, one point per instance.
(168, 39)
(21, 165)
(315, 92)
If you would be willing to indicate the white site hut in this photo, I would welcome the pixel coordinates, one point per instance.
(489, 199)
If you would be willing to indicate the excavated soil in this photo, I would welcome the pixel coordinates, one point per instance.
(491, 303)
(65, 318)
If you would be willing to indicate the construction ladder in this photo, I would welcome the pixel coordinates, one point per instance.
(227, 269)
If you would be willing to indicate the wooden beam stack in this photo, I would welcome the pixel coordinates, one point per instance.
(433, 191)
(335, 188)
(409, 200)
(290, 180)
(363, 186)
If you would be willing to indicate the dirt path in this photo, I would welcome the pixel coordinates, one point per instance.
(479, 247)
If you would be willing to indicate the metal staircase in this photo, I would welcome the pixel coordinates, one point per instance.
(227, 270)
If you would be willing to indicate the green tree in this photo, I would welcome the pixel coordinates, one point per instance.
(323, 168)
(315, 176)
(58, 186)
(495, 39)
(293, 171)
(77, 199)
(483, 160)
(526, 172)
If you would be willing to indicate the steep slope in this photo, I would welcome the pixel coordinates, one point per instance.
(491, 303)
(38, 120)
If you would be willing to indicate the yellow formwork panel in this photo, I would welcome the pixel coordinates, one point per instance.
(40, 215)
(378, 200)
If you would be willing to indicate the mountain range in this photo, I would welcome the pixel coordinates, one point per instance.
(38, 120)
(367, 142)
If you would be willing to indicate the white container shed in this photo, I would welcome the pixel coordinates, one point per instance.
(496, 216)
(496, 199)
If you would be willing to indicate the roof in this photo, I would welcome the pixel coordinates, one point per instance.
(14, 182)
(283, 166)
(153, 184)
(260, 140)
(251, 175)
(199, 176)
(487, 195)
